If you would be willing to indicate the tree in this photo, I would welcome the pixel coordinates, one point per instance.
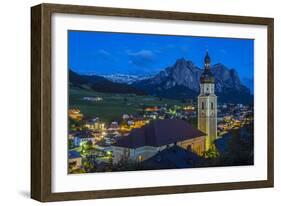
(239, 150)
(89, 163)
(211, 153)
(71, 144)
(85, 147)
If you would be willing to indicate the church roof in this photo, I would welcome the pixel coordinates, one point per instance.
(207, 76)
(159, 133)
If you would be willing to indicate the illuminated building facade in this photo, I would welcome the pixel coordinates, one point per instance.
(207, 104)
(147, 141)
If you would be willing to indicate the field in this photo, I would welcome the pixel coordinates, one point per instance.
(113, 106)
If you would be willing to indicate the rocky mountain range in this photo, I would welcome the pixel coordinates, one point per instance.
(181, 80)
(100, 84)
(126, 78)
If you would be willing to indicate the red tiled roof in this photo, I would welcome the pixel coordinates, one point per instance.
(159, 133)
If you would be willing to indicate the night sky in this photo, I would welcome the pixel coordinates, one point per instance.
(143, 54)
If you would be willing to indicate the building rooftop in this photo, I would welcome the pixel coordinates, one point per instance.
(173, 157)
(159, 133)
(83, 134)
(73, 154)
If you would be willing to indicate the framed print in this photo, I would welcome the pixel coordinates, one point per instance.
(130, 102)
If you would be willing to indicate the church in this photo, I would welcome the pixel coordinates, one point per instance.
(160, 135)
(147, 141)
(207, 105)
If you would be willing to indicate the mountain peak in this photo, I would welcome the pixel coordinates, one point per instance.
(219, 65)
(180, 59)
(183, 62)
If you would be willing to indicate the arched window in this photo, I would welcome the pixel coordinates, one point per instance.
(202, 106)
(212, 105)
(140, 158)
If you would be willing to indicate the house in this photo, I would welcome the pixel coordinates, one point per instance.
(75, 114)
(143, 143)
(74, 160)
(93, 99)
(114, 126)
(95, 124)
(125, 116)
(172, 157)
(83, 136)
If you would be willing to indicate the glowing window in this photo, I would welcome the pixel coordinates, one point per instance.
(140, 158)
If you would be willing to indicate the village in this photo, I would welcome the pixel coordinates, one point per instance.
(90, 139)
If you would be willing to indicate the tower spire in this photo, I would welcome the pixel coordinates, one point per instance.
(207, 60)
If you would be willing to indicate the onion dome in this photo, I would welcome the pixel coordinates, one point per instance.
(207, 76)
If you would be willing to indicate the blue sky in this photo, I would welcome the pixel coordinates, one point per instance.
(142, 54)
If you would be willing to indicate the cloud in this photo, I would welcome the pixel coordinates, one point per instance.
(147, 54)
(141, 58)
(103, 52)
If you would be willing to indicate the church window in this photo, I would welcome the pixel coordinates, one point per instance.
(202, 105)
(212, 105)
(188, 148)
(199, 151)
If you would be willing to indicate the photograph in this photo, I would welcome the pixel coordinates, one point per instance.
(151, 102)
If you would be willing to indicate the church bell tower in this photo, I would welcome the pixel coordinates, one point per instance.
(207, 105)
